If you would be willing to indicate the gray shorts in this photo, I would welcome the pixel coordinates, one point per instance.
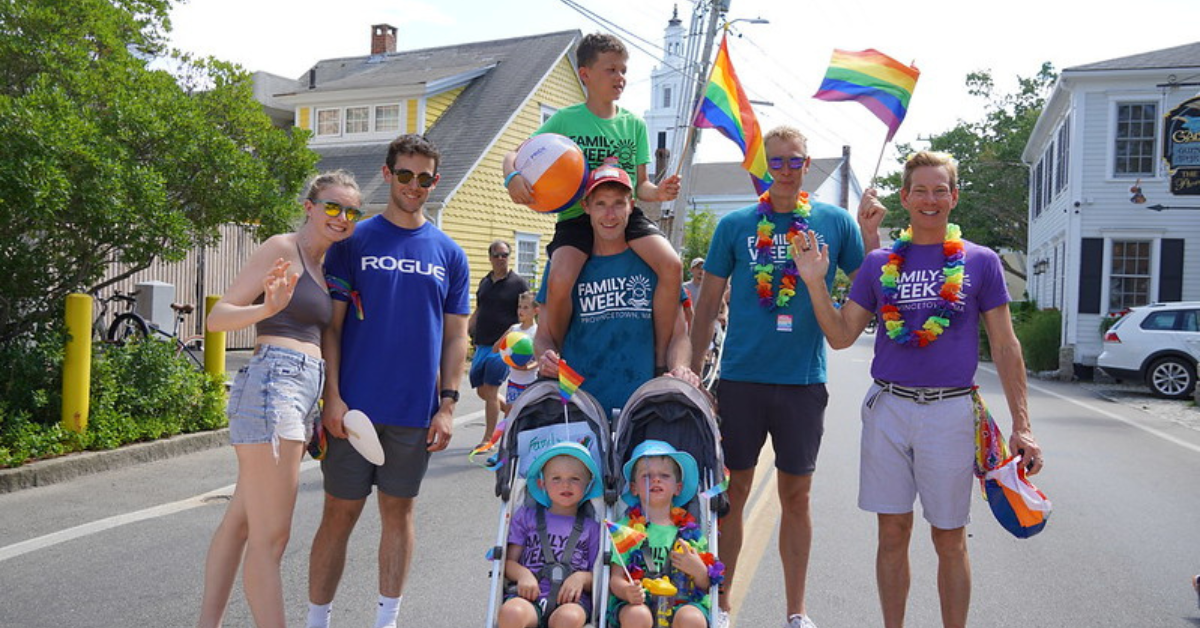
(794, 416)
(349, 476)
(909, 450)
(275, 397)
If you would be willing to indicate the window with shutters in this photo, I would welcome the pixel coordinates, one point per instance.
(1129, 280)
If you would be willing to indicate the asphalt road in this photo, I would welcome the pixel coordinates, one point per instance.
(126, 547)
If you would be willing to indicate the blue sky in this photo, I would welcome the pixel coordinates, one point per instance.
(781, 62)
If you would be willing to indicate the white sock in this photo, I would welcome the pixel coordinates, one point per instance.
(318, 615)
(389, 610)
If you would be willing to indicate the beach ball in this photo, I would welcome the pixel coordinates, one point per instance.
(555, 168)
(516, 349)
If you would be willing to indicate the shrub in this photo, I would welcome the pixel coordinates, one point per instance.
(1040, 333)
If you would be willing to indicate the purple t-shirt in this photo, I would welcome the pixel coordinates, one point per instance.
(523, 531)
(950, 361)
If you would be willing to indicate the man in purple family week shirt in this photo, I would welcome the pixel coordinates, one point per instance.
(913, 446)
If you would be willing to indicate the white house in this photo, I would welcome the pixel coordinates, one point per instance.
(1094, 251)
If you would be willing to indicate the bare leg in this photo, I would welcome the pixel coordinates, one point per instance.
(730, 541)
(565, 264)
(397, 538)
(224, 558)
(328, 556)
(491, 408)
(636, 616)
(891, 567)
(517, 612)
(795, 537)
(569, 615)
(954, 575)
(658, 253)
(270, 501)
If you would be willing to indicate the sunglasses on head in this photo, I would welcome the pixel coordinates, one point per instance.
(795, 163)
(333, 209)
(404, 177)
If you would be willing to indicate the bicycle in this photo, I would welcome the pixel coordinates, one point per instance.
(132, 326)
(100, 329)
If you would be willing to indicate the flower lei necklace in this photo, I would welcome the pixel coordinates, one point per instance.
(688, 531)
(950, 293)
(764, 258)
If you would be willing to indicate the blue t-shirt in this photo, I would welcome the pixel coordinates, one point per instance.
(780, 345)
(407, 280)
(610, 338)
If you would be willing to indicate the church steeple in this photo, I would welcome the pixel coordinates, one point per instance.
(666, 85)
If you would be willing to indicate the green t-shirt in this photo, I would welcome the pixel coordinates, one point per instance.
(622, 136)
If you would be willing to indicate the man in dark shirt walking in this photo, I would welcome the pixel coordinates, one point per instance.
(495, 312)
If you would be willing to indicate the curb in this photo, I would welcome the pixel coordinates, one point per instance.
(63, 468)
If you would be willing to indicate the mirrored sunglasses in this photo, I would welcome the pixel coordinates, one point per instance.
(795, 163)
(404, 177)
(333, 209)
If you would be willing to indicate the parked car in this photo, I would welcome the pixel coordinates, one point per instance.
(1158, 344)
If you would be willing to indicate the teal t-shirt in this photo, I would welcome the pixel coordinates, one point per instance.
(622, 136)
(781, 345)
(610, 338)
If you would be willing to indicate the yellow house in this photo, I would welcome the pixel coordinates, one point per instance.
(475, 101)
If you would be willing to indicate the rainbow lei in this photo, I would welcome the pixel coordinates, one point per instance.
(951, 292)
(764, 258)
(689, 532)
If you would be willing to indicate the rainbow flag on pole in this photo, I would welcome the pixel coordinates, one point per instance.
(874, 79)
(624, 538)
(726, 109)
(568, 381)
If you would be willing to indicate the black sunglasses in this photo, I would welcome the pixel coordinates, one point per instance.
(500, 255)
(404, 177)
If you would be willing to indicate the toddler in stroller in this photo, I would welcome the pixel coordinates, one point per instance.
(673, 498)
(551, 477)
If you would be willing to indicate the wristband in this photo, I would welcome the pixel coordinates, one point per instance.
(510, 176)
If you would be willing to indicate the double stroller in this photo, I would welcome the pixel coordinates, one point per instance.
(664, 408)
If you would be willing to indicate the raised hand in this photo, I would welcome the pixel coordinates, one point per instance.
(668, 188)
(870, 211)
(278, 287)
(811, 257)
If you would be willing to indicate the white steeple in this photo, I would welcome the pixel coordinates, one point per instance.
(666, 85)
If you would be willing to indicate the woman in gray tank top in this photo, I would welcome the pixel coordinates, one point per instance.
(281, 291)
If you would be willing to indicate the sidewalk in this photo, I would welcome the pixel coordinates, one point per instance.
(64, 468)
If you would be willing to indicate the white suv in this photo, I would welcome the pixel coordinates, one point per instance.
(1158, 344)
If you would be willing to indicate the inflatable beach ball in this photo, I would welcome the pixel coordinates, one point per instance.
(516, 349)
(556, 170)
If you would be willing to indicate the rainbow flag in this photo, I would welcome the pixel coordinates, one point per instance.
(874, 79)
(568, 381)
(624, 538)
(726, 109)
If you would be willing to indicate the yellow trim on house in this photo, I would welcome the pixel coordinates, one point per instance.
(304, 118)
(435, 106)
(412, 108)
(481, 210)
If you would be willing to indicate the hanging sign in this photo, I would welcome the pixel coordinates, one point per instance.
(1181, 147)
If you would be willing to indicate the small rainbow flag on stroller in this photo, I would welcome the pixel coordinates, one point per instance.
(568, 381)
(624, 538)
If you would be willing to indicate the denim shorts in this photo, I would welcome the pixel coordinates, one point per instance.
(275, 397)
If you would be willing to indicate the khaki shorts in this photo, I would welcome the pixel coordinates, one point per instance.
(909, 450)
(349, 476)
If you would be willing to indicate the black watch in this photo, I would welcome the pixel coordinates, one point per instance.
(448, 393)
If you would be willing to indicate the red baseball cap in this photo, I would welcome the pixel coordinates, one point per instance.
(608, 172)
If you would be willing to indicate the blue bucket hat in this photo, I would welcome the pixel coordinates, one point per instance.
(687, 466)
(564, 448)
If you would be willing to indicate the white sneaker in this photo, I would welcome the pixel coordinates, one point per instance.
(720, 618)
(799, 621)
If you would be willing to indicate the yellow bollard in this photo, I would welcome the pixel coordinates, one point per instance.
(214, 342)
(77, 364)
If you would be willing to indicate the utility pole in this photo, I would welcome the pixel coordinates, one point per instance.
(712, 11)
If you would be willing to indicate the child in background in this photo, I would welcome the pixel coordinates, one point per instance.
(553, 588)
(520, 378)
(603, 130)
(660, 482)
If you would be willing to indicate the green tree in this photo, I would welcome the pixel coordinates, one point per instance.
(697, 234)
(106, 160)
(993, 206)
